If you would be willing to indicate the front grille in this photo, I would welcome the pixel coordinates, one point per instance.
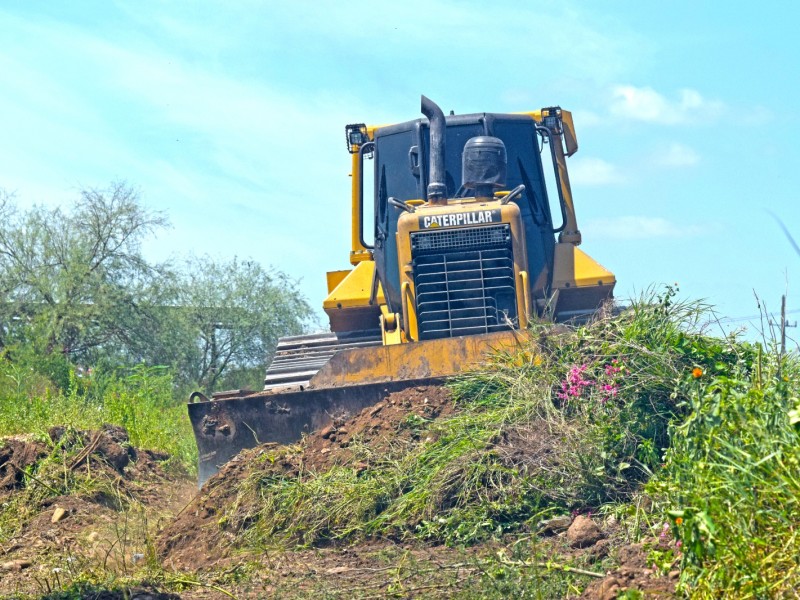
(464, 281)
(493, 236)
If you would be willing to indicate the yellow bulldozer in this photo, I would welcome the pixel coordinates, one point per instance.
(456, 254)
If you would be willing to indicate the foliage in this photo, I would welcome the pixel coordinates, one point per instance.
(139, 400)
(687, 437)
(507, 458)
(76, 291)
(731, 482)
(73, 282)
(232, 314)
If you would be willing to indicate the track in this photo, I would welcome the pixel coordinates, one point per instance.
(298, 358)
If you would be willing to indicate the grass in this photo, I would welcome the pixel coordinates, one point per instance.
(643, 416)
(700, 426)
(506, 459)
(731, 483)
(139, 400)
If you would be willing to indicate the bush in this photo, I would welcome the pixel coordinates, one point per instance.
(731, 482)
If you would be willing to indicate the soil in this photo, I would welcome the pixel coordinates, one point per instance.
(124, 496)
(382, 427)
(633, 573)
(157, 517)
(17, 454)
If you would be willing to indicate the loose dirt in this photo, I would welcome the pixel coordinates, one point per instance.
(118, 496)
(198, 539)
(138, 519)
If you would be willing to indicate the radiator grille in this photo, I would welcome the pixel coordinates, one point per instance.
(464, 281)
(494, 236)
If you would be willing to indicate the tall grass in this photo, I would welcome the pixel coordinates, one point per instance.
(508, 457)
(139, 400)
(644, 402)
(731, 483)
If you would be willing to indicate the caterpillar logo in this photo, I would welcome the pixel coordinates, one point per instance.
(457, 219)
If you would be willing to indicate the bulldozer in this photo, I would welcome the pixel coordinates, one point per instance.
(454, 254)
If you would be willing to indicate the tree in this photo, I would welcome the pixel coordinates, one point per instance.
(76, 289)
(74, 281)
(230, 315)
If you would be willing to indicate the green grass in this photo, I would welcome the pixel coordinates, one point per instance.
(731, 484)
(139, 400)
(703, 427)
(507, 457)
(642, 415)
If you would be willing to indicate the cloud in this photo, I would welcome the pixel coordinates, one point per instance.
(635, 227)
(586, 118)
(646, 104)
(594, 172)
(677, 155)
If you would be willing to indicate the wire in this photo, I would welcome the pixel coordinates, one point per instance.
(755, 317)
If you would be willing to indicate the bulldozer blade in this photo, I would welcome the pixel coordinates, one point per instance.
(430, 358)
(224, 427)
(349, 381)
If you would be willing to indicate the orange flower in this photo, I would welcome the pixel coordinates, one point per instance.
(697, 372)
(679, 520)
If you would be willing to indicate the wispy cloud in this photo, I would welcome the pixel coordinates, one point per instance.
(635, 227)
(676, 155)
(646, 104)
(593, 172)
(586, 118)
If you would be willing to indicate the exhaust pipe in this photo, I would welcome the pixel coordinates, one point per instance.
(437, 190)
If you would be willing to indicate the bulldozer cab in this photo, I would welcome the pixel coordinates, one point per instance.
(401, 159)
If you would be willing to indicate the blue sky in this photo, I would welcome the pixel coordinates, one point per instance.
(230, 118)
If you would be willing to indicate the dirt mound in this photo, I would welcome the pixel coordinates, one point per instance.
(86, 498)
(633, 573)
(199, 537)
(106, 447)
(395, 421)
(144, 592)
(16, 455)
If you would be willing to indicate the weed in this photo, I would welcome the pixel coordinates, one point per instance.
(608, 388)
(141, 401)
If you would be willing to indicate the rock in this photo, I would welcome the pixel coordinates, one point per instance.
(325, 451)
(15, 565)
(674, 574)
(609, 589)
(327, 432)
(555, 525)
(337, 570)
(600, 549)
(58, 514)
(583, 532)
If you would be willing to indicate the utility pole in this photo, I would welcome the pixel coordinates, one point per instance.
(784, 325)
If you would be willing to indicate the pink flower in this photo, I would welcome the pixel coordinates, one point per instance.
(574, 383)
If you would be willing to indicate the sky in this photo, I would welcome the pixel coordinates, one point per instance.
(229, 118)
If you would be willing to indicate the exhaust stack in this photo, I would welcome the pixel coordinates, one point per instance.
(437, 190)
